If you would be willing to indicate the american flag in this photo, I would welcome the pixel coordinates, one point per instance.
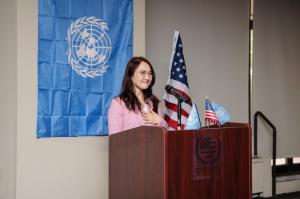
(178, 80)
(210, 114)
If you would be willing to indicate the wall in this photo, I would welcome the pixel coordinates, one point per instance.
(8, 93)
(60, 168)
(276, 56)
(215, 46)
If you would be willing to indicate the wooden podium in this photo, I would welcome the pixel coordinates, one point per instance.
(153, 163)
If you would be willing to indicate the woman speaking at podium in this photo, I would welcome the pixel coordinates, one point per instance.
(136, 105)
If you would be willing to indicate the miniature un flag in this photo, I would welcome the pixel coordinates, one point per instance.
(193, 121)
(221, 113)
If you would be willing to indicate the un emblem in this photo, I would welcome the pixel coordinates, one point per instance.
(89, 46)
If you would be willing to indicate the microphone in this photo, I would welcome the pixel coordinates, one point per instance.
(172, 91)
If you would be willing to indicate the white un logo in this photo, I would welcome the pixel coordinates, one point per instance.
(89, 46)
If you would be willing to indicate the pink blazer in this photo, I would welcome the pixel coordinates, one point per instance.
(121, 119)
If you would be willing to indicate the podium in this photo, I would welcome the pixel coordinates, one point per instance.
(153, 163)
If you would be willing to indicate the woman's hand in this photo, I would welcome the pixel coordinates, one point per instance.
(150, 117)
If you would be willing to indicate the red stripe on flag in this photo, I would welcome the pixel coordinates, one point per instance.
(174, 108)
(172, 123)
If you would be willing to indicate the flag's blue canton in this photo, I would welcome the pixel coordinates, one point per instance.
(178, 71)
(208, 106)
(70, 104)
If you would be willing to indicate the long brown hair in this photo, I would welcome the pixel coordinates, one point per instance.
(127, 92)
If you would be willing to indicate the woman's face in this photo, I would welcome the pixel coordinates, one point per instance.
(142, 77)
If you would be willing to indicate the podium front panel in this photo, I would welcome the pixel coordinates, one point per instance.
(137, 164)
(152, 163)
(210, 163)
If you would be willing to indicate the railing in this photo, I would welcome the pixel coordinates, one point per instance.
(258, 113)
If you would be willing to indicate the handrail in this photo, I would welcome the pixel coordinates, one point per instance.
(258, 113)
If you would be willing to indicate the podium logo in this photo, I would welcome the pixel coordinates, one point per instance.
(208, 157)
(208, 149)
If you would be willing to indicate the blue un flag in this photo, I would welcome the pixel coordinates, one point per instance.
(83, 48)
(193, 121)
(221, 113)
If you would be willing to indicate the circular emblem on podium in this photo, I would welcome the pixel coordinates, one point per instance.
(89, 46)
(208, 149)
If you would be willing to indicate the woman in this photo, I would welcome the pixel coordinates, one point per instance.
(136, 105)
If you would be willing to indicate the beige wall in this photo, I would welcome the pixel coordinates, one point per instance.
(215, 46)
(276, 50)
(139, 28)
(8, 93)
(56, 168)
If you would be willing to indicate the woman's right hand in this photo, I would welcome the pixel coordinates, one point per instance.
(150, 117)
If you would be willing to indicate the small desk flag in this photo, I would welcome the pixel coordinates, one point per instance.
(221, 113)
(193, 121)
(210, 114)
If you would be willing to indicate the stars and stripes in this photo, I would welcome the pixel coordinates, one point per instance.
(210, 115)
(178, 80)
